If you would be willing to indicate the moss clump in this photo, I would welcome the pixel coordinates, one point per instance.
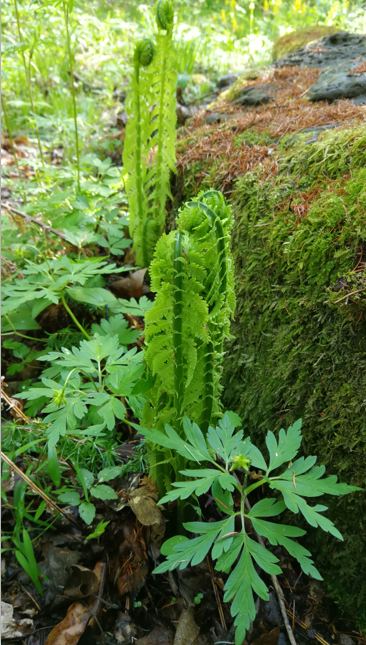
(300, 346)
(233, 92)
(296, 39)
(253, 138)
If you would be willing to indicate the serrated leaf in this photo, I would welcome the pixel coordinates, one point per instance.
(267, 507)
(70, 497)
(87, 512)
(287, 447)
(107, 474)
(102, 491)
(87, 477)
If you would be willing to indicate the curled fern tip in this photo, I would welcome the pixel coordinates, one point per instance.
(144, 52)
(164, 14)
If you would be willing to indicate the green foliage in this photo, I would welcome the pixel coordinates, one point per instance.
(192, 274)
(151, 126)
(297, 241)
(87, 510)
(234, 551)
(88, 408)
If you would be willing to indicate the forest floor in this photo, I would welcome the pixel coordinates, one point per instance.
(102, 592)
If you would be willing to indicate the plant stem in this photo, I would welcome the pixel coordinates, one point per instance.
(178, 325)
(28, 79)
(66, 15)
(158, 208)
(138, 161)
(43, 340)
(73, 317)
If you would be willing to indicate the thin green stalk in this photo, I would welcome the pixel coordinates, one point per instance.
(7, 123)
(159, 162)
(28, 80)
(73, 317)
(66, 15)
(43, 340)
(178, 325)
(140, 202)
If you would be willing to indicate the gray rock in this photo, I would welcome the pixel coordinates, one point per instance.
(272, 611)
(346, 640)
(313, 133)
(226, 81)
(256, 95)
(338, 83)
(335, 49)
(216, 117)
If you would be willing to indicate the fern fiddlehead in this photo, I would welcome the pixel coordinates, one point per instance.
(193, 275)
(136, 143)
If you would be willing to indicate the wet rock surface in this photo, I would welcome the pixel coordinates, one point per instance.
(341, 47)
(340, 82)
(341, 56)
(257, 95)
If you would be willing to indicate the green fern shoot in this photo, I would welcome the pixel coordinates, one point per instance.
(163, 117)
(192, 273)
(136, 146)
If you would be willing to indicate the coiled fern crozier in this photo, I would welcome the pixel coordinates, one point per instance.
(151, 126)
(192, 273)
(136, 146)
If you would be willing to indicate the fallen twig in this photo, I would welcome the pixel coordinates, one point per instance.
(218, 601)
(349, 294)
(33, 220)
(37, 490)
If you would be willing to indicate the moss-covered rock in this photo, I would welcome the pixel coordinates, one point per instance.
(296, 39)
(299, 246)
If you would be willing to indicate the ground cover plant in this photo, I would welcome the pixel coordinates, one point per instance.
(100, 374)
(231, 545)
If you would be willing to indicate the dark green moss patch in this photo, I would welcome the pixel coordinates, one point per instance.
(299, 245)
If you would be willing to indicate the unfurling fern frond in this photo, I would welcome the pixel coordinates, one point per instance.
(136, 146)
(163, 118)
(192, 273)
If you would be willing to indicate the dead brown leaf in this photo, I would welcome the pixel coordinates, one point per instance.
(131, 287)
(69, 630)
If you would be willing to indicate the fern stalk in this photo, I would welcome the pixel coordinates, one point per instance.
(138, 159)
(159, 201)
(178, 324)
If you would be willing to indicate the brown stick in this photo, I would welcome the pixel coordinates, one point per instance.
(33, 220)
(37, 490)
(218, 601)
(349, 294)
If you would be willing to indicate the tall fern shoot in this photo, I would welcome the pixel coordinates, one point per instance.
(192, 273)
(136, 145)
(151, 127)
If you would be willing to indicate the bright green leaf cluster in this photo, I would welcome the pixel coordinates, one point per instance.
(235, 552)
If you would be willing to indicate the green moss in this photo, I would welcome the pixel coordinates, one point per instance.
(297, 352)
(296, 39)
(253, 138)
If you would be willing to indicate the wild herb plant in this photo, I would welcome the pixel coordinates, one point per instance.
(216, 455)
(91, 407)
(151, 126)
(51, 282)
